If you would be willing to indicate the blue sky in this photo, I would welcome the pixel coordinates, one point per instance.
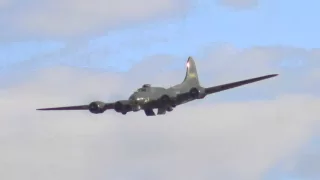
(271, 23)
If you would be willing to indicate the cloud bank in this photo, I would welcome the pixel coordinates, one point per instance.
(200, 140)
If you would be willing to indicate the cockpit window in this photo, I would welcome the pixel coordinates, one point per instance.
(146, 85)
(144, 88)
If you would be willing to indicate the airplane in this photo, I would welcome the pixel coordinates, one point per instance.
(147, 98)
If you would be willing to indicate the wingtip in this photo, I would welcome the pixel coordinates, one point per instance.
(44, 109)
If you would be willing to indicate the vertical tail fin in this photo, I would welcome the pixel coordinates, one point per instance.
(191, 77)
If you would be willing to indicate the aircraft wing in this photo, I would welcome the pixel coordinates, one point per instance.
(223, 87)
(82, 107)
(94, 107)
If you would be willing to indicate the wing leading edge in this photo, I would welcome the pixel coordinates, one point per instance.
(223, 87)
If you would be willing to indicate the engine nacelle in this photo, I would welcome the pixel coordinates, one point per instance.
(166, 100)
(122, 106)
(96, 107)
(197, 93)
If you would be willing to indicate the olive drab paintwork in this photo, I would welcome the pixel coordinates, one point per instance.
(148, 98)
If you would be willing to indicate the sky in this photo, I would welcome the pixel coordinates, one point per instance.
(70, 52)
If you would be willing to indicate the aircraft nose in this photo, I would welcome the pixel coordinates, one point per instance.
(135, 99)
(139, 99)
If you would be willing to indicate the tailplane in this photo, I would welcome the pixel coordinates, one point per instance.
(191, 77)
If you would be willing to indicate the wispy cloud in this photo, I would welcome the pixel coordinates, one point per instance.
(73, 18)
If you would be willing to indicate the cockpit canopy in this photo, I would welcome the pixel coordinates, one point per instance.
(144, 88)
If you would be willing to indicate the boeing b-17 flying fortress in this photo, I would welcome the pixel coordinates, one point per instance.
(163, 99)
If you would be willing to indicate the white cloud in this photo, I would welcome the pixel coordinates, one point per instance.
(200, 140)
(239, 3)
(196, 141)
(71, 18)
(299, 73)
